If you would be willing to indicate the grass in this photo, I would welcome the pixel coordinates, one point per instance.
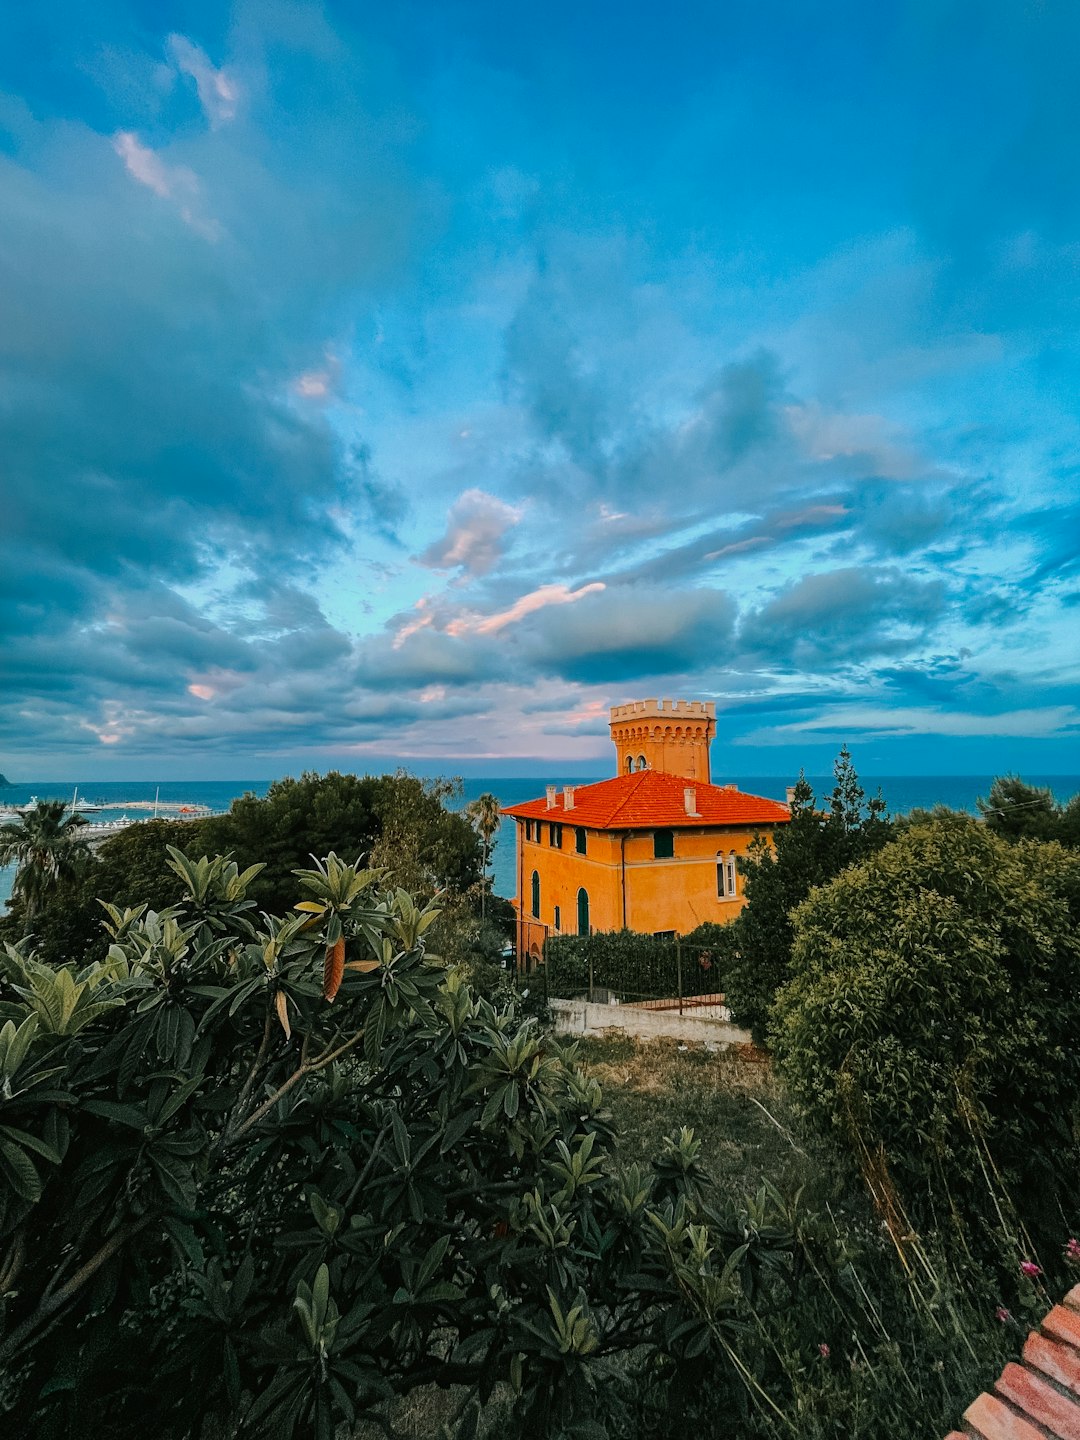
(736, 1108)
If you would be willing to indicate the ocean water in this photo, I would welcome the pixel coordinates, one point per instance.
(902, 793)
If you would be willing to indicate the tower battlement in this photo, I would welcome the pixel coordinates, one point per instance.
(671, 736)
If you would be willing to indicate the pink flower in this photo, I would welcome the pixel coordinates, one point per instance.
(824, 1351)
(1028, 1267)
(1072, 1250)
(1002, 1314)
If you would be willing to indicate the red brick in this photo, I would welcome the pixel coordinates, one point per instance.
(1063, 1324)
(991, 1419)
(1038, 1398)
(1060, 1362)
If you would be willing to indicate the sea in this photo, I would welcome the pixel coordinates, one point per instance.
(902, 793)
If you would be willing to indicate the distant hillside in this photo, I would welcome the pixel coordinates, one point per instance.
(5, 783)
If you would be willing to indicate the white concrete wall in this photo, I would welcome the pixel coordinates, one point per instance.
(578, 1017)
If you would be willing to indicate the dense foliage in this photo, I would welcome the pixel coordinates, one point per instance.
(1017, 811)
(814, 846)
(404, 816)
(133, 867)
(275, 1170)
(931, 1022)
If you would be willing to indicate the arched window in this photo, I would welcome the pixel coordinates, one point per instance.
(583, 912)
(629, 763)
(536, 894)
(641, 763)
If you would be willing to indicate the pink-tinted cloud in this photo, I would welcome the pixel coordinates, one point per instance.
(475, 538)
(176, 183)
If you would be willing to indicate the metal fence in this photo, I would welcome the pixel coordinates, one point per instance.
(621, 968)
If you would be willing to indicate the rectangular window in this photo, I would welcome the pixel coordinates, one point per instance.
(555, 836)
(558, 918)
(731, 877)
(663, 934)
(579, 840)
(721, 888)
(663, 844)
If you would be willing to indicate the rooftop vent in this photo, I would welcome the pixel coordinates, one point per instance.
(689, 796)
(550, 792)
(789, 796)
(568, 797)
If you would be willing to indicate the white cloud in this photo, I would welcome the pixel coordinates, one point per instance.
(218, 90)
(176, 183)
(843, 722)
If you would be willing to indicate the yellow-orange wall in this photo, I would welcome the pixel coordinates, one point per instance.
(666, 894)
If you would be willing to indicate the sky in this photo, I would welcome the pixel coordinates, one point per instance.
(414, 382)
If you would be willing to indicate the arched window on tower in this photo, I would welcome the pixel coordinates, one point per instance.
(629, 763)
(583, 912)
(641, 763)
(536, 894)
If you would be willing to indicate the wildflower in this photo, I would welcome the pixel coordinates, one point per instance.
(824, 1351)
(1072, 1252)
(1002, 1314)
(1029, 1268)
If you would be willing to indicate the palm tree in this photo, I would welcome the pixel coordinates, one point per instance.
(47, 850)
(485, 816)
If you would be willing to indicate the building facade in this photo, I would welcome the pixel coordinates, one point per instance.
(652, 850)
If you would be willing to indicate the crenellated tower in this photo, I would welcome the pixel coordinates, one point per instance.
(672, 736)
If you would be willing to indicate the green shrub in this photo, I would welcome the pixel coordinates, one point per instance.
(261, 1175)
(931, 1022)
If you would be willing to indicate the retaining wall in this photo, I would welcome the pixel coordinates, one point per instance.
(579, 1017)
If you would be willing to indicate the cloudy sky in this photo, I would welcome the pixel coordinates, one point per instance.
(419, 380)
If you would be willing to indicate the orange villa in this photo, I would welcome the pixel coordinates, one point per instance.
(651, 850)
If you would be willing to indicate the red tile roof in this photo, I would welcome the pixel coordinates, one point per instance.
(1040, 1397)
(649, 798)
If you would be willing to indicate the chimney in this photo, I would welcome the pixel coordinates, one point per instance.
(789, 796)
(568, 797)
(730, 786)
(689, 796)
(551, 796)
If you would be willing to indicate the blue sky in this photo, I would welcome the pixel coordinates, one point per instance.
(419, 384)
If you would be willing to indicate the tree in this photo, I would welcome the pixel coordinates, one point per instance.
(47, 849)
(131, 867)
(485, 815)
(348, 814)
(814, 846)
(1018, 811)
(290, 1167)
(930, 1022)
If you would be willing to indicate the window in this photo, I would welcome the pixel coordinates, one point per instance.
(663, 844)
(528, 829)
(582, 912)
(579, 840)
(555, 836)
(629, 763)
(641, 765)
(726, 873)
(663, 935)
(558, 918)
(536, 894)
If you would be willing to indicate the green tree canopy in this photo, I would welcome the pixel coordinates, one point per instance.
(755, 954)
(349, 814)
(1018, 811)
(931, 1023)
